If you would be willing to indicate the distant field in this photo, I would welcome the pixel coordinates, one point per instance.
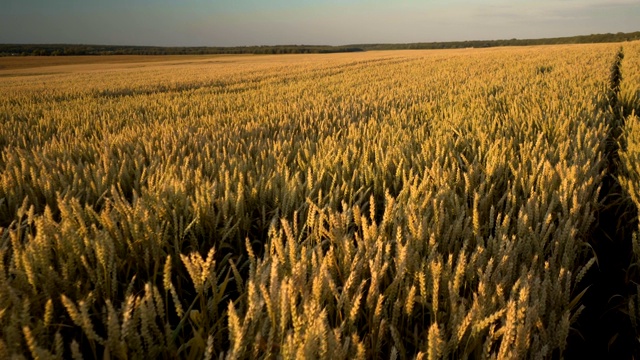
(49, 65)
(405, 204)
(21, 65)
(11, 63)
(24, 65)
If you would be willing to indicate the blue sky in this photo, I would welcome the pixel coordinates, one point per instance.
(331, 22)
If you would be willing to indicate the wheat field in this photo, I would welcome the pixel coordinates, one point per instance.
(401, 204)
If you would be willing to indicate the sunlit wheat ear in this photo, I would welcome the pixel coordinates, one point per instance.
(208, 355)
(166, 274)
(235, 331)
(48, 313)
(81, 318)
(198, 268)
(509, 332)
(436, 269)
(355, 306)
(410, 300)
(435, 343)
(236, 274)
(128, 319)
(36, 351)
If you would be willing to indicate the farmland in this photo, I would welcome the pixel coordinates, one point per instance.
(403, 204)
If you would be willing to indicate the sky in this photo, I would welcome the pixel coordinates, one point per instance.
(285, 22)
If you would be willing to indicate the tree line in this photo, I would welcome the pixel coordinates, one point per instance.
(71, 49)
(581, 39)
